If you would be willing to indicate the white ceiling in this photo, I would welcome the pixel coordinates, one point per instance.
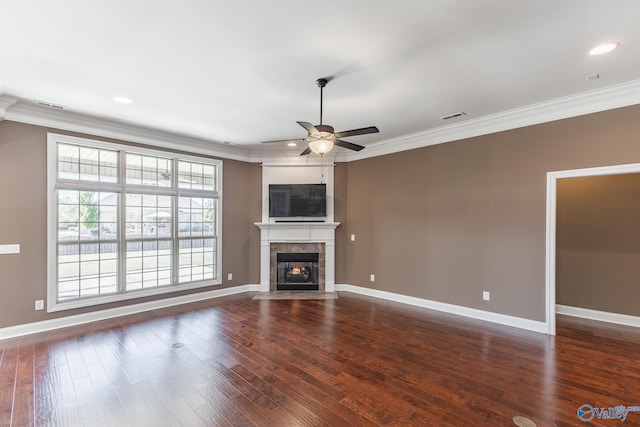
(244, 71)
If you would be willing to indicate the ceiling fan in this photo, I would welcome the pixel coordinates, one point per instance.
(322, 137)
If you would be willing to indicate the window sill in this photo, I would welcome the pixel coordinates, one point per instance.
(54, 306)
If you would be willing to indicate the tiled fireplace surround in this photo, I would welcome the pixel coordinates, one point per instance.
(297, 237)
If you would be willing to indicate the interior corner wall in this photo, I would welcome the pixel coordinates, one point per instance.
(449, 221)
(340, 213)
(241, 209)
(23, 220)
(598, 249)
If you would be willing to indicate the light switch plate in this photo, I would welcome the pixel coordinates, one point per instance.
(9, 249)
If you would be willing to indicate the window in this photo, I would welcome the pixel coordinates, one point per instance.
(126, 222)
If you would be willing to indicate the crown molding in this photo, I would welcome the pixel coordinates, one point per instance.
(5, 103)
(607, 98)
(24, 112)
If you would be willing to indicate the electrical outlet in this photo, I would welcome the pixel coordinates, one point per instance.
(39, 304)
(372, 277)
(486, 295)
(230, 276)
(353, 237)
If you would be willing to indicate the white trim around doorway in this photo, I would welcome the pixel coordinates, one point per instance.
(552, 181)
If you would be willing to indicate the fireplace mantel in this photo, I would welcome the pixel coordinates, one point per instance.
(297, 232)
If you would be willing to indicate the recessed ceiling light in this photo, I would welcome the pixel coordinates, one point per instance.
(603, 48)
(292, 144)
(122, 99)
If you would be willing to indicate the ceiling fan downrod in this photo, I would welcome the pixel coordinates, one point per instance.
(321, 84)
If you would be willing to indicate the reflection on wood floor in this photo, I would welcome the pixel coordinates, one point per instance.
(354, 361)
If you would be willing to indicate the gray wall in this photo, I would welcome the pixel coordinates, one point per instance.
(449, 221)
(23, 220)
(598, 243)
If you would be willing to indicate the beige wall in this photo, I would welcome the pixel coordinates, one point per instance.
(340, 215)
(449, 221)
(443, 222)
(598, 243)
(23, 212)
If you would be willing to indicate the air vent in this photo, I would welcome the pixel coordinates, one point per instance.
(49, 104)
(454, 115)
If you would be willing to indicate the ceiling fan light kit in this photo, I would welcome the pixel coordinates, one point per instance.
(322, 138)
(322, 142)
(321, 146)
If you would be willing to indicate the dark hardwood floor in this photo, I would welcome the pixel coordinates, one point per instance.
(355, 361)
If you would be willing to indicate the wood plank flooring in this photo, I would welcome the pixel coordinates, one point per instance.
(354, 361)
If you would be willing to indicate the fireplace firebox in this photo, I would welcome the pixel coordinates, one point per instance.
(297, 271)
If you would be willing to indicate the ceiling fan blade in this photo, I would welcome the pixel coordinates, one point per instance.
(349, 145)
(309, 127)
(283, 141)
(354, 132)
(306, 151)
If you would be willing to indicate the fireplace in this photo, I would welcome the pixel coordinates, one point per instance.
(278, 238)
(297, 267)
(297, 271)
(304, 236)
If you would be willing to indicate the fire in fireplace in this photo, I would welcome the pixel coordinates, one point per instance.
(297, 271)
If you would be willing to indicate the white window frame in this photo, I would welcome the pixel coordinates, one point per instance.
(53, 139)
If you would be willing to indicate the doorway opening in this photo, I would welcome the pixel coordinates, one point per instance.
(552, 182)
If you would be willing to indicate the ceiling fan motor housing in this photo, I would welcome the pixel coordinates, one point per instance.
(324, 128)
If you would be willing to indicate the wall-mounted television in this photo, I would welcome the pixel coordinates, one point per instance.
(297, 200)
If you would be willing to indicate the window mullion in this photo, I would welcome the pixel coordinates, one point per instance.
(122, 222)
(176, 213)
(87, 186)
(174, 243)
(142, 189)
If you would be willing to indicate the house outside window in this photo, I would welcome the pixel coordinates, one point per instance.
(126, 222)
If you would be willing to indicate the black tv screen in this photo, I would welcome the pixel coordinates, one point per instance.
(297, 200)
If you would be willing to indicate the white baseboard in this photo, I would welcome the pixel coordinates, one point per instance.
(502, 319)
(602, 316)
(94, 316)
